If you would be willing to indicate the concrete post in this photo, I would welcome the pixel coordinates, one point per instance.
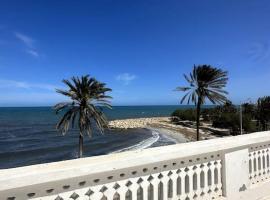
(235, 174)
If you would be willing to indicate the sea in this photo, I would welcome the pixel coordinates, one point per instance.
(28, 135)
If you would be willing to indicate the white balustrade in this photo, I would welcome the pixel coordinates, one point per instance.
(226, 168)
(259, 163)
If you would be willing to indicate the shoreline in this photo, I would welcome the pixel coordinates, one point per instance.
(176, 136)
(164, 124)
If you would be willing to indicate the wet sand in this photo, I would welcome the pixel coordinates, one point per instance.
(178, 137)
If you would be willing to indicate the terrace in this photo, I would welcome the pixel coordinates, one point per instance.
(225, 168)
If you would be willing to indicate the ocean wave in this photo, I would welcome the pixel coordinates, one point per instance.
(143, 144)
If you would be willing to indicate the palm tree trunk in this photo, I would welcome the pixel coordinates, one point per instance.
(80, 146)
(198, 118)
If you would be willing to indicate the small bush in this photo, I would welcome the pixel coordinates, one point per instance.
(226, 120)
(188, 114)
(232, 121)
(208, 114)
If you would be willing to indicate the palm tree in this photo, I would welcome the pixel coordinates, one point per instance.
(205, 82)
(88, 96)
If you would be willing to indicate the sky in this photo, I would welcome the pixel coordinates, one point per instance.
(141, 49)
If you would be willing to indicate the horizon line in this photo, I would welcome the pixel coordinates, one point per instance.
(191, 105)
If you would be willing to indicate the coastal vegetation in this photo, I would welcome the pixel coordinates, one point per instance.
(255, 116)
(184, 114)
(263, 113)
(228, 117)
(205, 82)
(84, 111)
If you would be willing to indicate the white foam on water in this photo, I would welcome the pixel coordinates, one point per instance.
(167, 138)
(143, 144)
(75, 154)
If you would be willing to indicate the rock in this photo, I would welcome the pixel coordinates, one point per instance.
(136, 123)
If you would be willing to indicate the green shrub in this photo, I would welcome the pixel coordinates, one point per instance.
(263, 112)
(232, 121)
(208, 114)
(188, 114)
(226, 120)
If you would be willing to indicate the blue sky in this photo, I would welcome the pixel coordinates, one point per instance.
(139, 48)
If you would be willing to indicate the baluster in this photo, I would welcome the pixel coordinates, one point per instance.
(264, 163)
(66, 195)
(251, 159)
(265, 153)
(165, 179)
(198, 183)
(219, 183)
(81, 193)
(144, 184)
(268, 161)
(182, 175)
(256, 171)
(174, 177)
(96, 192)
(155, 181)
(190, 173)
(208, 179)
(133, 186)
(199, 189)
(205, 170)
(186, 182)
(212, 168)
(122, 190)
(108, 190)
(212, 172)
(261, 164)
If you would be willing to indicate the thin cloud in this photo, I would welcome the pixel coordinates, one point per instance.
(126, 78)
(33, 53)
(259, 51)
(28, 41)
(12, 84)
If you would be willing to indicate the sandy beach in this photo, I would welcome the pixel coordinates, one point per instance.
(178, 137)
(163, 125)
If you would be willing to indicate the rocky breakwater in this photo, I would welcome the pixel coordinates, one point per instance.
(137, 123)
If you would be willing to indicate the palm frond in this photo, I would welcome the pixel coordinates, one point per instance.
(63, 105)
(182, 89)
(184, 97)
(205, 82)
(63, 124)
(87, 95)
